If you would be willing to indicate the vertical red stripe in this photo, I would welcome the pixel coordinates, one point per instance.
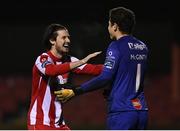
(52, 111)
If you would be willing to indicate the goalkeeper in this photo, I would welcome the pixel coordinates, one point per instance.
(124, 68)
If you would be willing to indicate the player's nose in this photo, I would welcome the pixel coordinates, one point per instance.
(68, 40)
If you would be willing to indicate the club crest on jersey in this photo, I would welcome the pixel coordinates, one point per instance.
(109, 63)
(43, 58)
(44, 61)
(136, 104)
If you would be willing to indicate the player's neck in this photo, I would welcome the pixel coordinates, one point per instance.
(120, 35)
(56, 54)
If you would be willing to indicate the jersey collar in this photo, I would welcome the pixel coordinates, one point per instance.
(53, 57)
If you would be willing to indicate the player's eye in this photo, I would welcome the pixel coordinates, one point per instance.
(64, 37)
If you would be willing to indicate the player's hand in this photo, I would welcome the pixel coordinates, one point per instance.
(87, 58)
(64, 94)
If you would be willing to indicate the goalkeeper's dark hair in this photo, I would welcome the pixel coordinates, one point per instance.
(124, 18)
(51, 34)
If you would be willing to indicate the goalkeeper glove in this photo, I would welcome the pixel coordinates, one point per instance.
(66, 94)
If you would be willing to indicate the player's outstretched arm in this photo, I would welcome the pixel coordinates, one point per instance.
(84, 60)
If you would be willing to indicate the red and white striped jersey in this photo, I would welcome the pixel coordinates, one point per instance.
(44, 108)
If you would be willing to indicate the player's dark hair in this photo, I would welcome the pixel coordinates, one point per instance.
(51, 34)
(124, 18)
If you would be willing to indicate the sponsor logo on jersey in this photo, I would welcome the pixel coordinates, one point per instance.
(61, 80)
(109, 63)
(136, 104)
(110, 53)
(137, 46)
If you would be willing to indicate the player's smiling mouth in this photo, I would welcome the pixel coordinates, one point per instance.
(66, 45)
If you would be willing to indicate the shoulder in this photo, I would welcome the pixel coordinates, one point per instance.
(43, 58)
(113, 45)
(138, 40)
(140, 44)
(113, 50)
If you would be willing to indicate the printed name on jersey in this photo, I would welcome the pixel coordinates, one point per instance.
(138, 57)
(109, 63)
(137, 46)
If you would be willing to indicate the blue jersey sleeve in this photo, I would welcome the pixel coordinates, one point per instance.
(110, 67)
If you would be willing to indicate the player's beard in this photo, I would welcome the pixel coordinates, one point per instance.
(64, 49)
(66, 46)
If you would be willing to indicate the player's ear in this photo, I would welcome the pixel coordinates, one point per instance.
(52, 41)
(115, 27)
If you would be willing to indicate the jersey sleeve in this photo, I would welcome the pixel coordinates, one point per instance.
(112, 59)
(110, 68)
(90, 69)
(47, 67)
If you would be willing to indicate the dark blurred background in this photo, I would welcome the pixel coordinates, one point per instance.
(22, 24)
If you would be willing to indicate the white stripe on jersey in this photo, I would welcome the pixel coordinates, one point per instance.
(46, 105)
(73, 59)
(138, 77)
(58, 111)
(39, 82)
(34, 109)
(33, 113)
(47, 98)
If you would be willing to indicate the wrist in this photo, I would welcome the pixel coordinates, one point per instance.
(83, 61)
(78, 91)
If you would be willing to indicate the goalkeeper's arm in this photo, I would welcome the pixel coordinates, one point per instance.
(94, 84)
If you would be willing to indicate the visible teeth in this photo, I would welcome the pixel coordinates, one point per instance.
(66, 45)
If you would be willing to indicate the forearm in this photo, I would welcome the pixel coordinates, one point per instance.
(83, 61)
(54, 70)
(94, 84)
(76, 64)
(90, 69)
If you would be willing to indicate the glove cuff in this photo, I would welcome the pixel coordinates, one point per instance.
(78, 91)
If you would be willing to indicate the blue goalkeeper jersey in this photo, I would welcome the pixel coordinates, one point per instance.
(124, 67)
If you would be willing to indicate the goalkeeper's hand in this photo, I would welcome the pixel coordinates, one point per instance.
(64, 95)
